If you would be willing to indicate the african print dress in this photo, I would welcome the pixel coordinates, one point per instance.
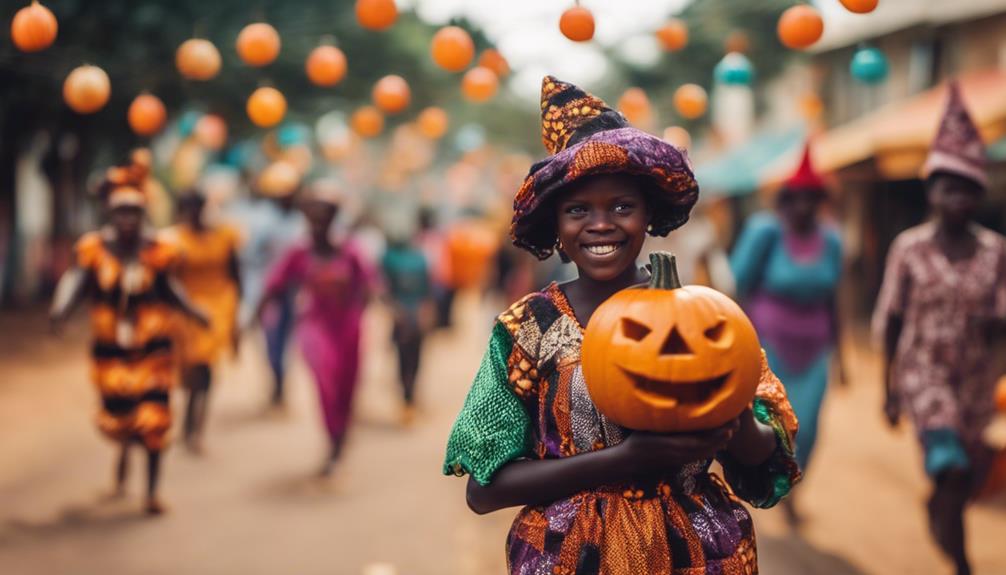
(204, 271)
(131, 323)
(529, 400)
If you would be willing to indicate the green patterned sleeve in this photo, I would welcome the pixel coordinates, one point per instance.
(493, 427)
(765, 485)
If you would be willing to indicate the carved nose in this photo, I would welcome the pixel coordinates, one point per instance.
(675, 344)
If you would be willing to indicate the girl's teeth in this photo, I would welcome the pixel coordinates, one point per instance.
(602, 250)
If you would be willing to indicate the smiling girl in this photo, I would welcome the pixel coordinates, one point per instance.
(599, 498)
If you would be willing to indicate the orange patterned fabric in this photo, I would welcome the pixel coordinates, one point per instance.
(132, 362)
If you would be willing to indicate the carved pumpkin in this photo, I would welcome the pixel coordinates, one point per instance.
(673, 35)
(452, 48)
(433, 122)
(392, 94)
(479, 84)
(800, 27)
(258, 44)
(691, 101)
(86, 89)
(860, 6)
(197, 59)
(266, 107)
(670, 358)
(376, 14)
(146, 115)
(34, 28)
(326, 66)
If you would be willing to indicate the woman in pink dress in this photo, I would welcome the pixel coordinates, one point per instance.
(942, 301)
(332, 284)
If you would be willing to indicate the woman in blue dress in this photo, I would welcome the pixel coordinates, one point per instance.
(787, 266)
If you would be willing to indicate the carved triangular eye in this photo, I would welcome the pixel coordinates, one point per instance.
(716, 333)
(634, 330)
(675, 344)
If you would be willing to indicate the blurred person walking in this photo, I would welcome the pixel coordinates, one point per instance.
(942, 302)
(433, 243)
(332, 284)
(272, 224)
(787, 267)
(210, 273)
(410, 294)
(126, 272)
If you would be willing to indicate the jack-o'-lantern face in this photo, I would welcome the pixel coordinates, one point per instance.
(670, 358)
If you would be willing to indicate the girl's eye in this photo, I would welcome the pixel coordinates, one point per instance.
(624, 207)
(576, 210)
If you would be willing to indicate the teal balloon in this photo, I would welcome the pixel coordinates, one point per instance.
(734, 69)
(869, 65)
(292, 135)
(187, 123)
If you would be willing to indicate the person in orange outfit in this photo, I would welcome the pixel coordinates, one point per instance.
(210, 274)
(126, 272)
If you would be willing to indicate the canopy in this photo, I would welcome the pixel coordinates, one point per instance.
(738, 171)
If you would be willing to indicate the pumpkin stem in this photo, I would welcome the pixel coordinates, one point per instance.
(664, 272)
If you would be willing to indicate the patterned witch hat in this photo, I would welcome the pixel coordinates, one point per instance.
(958, 148)
(586, 137)
(806, 176)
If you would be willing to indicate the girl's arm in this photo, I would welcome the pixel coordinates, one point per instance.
(69, 293)
(175, 295)
(642, 455)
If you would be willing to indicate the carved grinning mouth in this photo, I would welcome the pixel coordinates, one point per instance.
(692, 392)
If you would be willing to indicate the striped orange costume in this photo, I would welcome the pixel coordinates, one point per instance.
(132, 361)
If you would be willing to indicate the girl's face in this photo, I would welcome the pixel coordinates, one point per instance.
(602, 224)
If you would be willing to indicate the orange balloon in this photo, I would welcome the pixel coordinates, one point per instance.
(452, 48)
(367, 121)
(738, 41)
(392, 94)
(577, 24)
(479, 84)
(1001, 395)
(278, 179)
(800, 27)
(211, 132)
(376, 14)
(34, 28)
(147, 115)
(635, 105)
(673, 35)
(492, 59)
(197, 59)
(691, 101)
(678, 137)
(266, 107)
(860, 6)
(86, 89)
(326, 66)
(433, 122)
(258, 44)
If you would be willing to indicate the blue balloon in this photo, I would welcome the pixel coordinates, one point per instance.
(292, 134)
(734, 69)
(187, 123)
(869, 65)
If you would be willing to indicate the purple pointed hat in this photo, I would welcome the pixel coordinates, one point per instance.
(586, 137)
(958, 148)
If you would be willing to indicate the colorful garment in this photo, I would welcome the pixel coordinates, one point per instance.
(586, 137)
(204, 271)
(787, 284)
(529, 400)
(942, 369)
(331, 294)
(132, 361)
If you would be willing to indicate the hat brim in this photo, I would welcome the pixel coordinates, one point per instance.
(626, 151)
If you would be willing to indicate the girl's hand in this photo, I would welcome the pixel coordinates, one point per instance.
(645, 453)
